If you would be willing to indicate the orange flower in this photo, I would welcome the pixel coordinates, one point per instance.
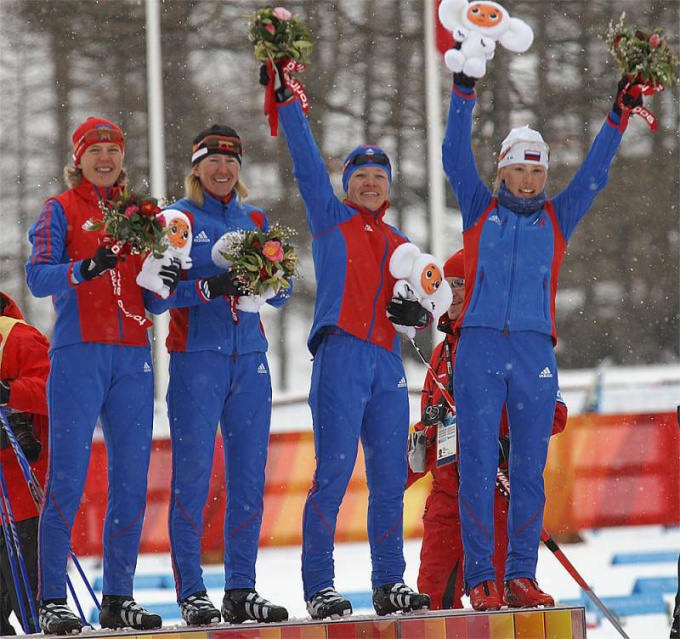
(273, 250)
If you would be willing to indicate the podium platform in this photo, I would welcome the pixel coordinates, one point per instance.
(561, 622)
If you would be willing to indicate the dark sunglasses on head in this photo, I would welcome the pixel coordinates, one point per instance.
(369, 158)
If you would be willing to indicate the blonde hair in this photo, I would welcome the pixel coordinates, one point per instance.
(496, 183)
(193, 189)
(73, 176)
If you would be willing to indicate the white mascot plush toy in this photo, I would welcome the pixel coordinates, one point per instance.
(477, 26)
(247, 303)
(420, 277)
(178, 241)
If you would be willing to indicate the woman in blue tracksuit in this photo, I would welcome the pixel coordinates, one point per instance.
(218, 373)
(514, 244)
(358, 388)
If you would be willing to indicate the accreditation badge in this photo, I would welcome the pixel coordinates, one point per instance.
(447, 440)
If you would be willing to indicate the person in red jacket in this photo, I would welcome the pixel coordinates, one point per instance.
(24, 366)
(100, 369)
(441, 553)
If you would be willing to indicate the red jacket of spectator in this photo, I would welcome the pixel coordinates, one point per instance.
(24, 364)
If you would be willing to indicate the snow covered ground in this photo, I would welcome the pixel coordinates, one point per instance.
(278, 576)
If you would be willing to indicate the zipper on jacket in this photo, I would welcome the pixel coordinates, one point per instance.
(382, 278)
(511, 288)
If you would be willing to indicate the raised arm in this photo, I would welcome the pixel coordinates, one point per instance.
(593, 174)
(459, 163)
(324, 209)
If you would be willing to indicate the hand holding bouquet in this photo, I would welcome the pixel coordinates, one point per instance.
(282, 46)
(263, 262)
(642, 56)
(646, 62)
(131, 225)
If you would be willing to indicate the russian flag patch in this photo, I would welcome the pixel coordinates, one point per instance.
(532, 156)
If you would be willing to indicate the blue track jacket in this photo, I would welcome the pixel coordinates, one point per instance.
(513, 261)
(199, 324)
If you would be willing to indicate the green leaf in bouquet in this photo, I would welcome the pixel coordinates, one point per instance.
(280, 29)
(642, 56)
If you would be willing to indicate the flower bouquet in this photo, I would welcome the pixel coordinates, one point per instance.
(263, 262)
(646, 61)
(282, 45)
(642, 56)
(277, 35)
(131, 224)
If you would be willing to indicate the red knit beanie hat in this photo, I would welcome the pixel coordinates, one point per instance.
(455, 265)
(92, 131)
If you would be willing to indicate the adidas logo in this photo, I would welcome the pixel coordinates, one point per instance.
(496, 219)
(368, 228)
(402, 383)
(262, 369)
(147, 367)
(201, 238)
(545, 373)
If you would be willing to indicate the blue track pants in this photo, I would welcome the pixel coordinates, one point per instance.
(493, 369)
(206, 388)
(358, 391)
(114, 383)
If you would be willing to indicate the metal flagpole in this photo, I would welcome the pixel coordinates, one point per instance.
(154, 80)
(440, 246)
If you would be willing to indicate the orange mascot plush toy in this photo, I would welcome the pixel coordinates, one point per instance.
(476, 27)
(178, 241)
(420, 276)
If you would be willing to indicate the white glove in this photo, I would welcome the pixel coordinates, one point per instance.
(253, 303)
(149, 277)
(226, 240)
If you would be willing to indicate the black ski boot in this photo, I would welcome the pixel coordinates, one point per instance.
(56, 618)
(398, 598)
(198, 610)
(242, 604)
(125, 612)
(328, 603)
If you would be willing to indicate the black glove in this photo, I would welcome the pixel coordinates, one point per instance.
(282, 91)
(170, 274)
(465, 81)
(503, 449)
(223, 284)
(627, 98)
(22, 427)
(4, 392)
(103, 260)
(408, 313)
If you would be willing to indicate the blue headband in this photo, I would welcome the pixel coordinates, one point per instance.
(365, 156)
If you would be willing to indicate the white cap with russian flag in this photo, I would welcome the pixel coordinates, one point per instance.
(524, 146)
